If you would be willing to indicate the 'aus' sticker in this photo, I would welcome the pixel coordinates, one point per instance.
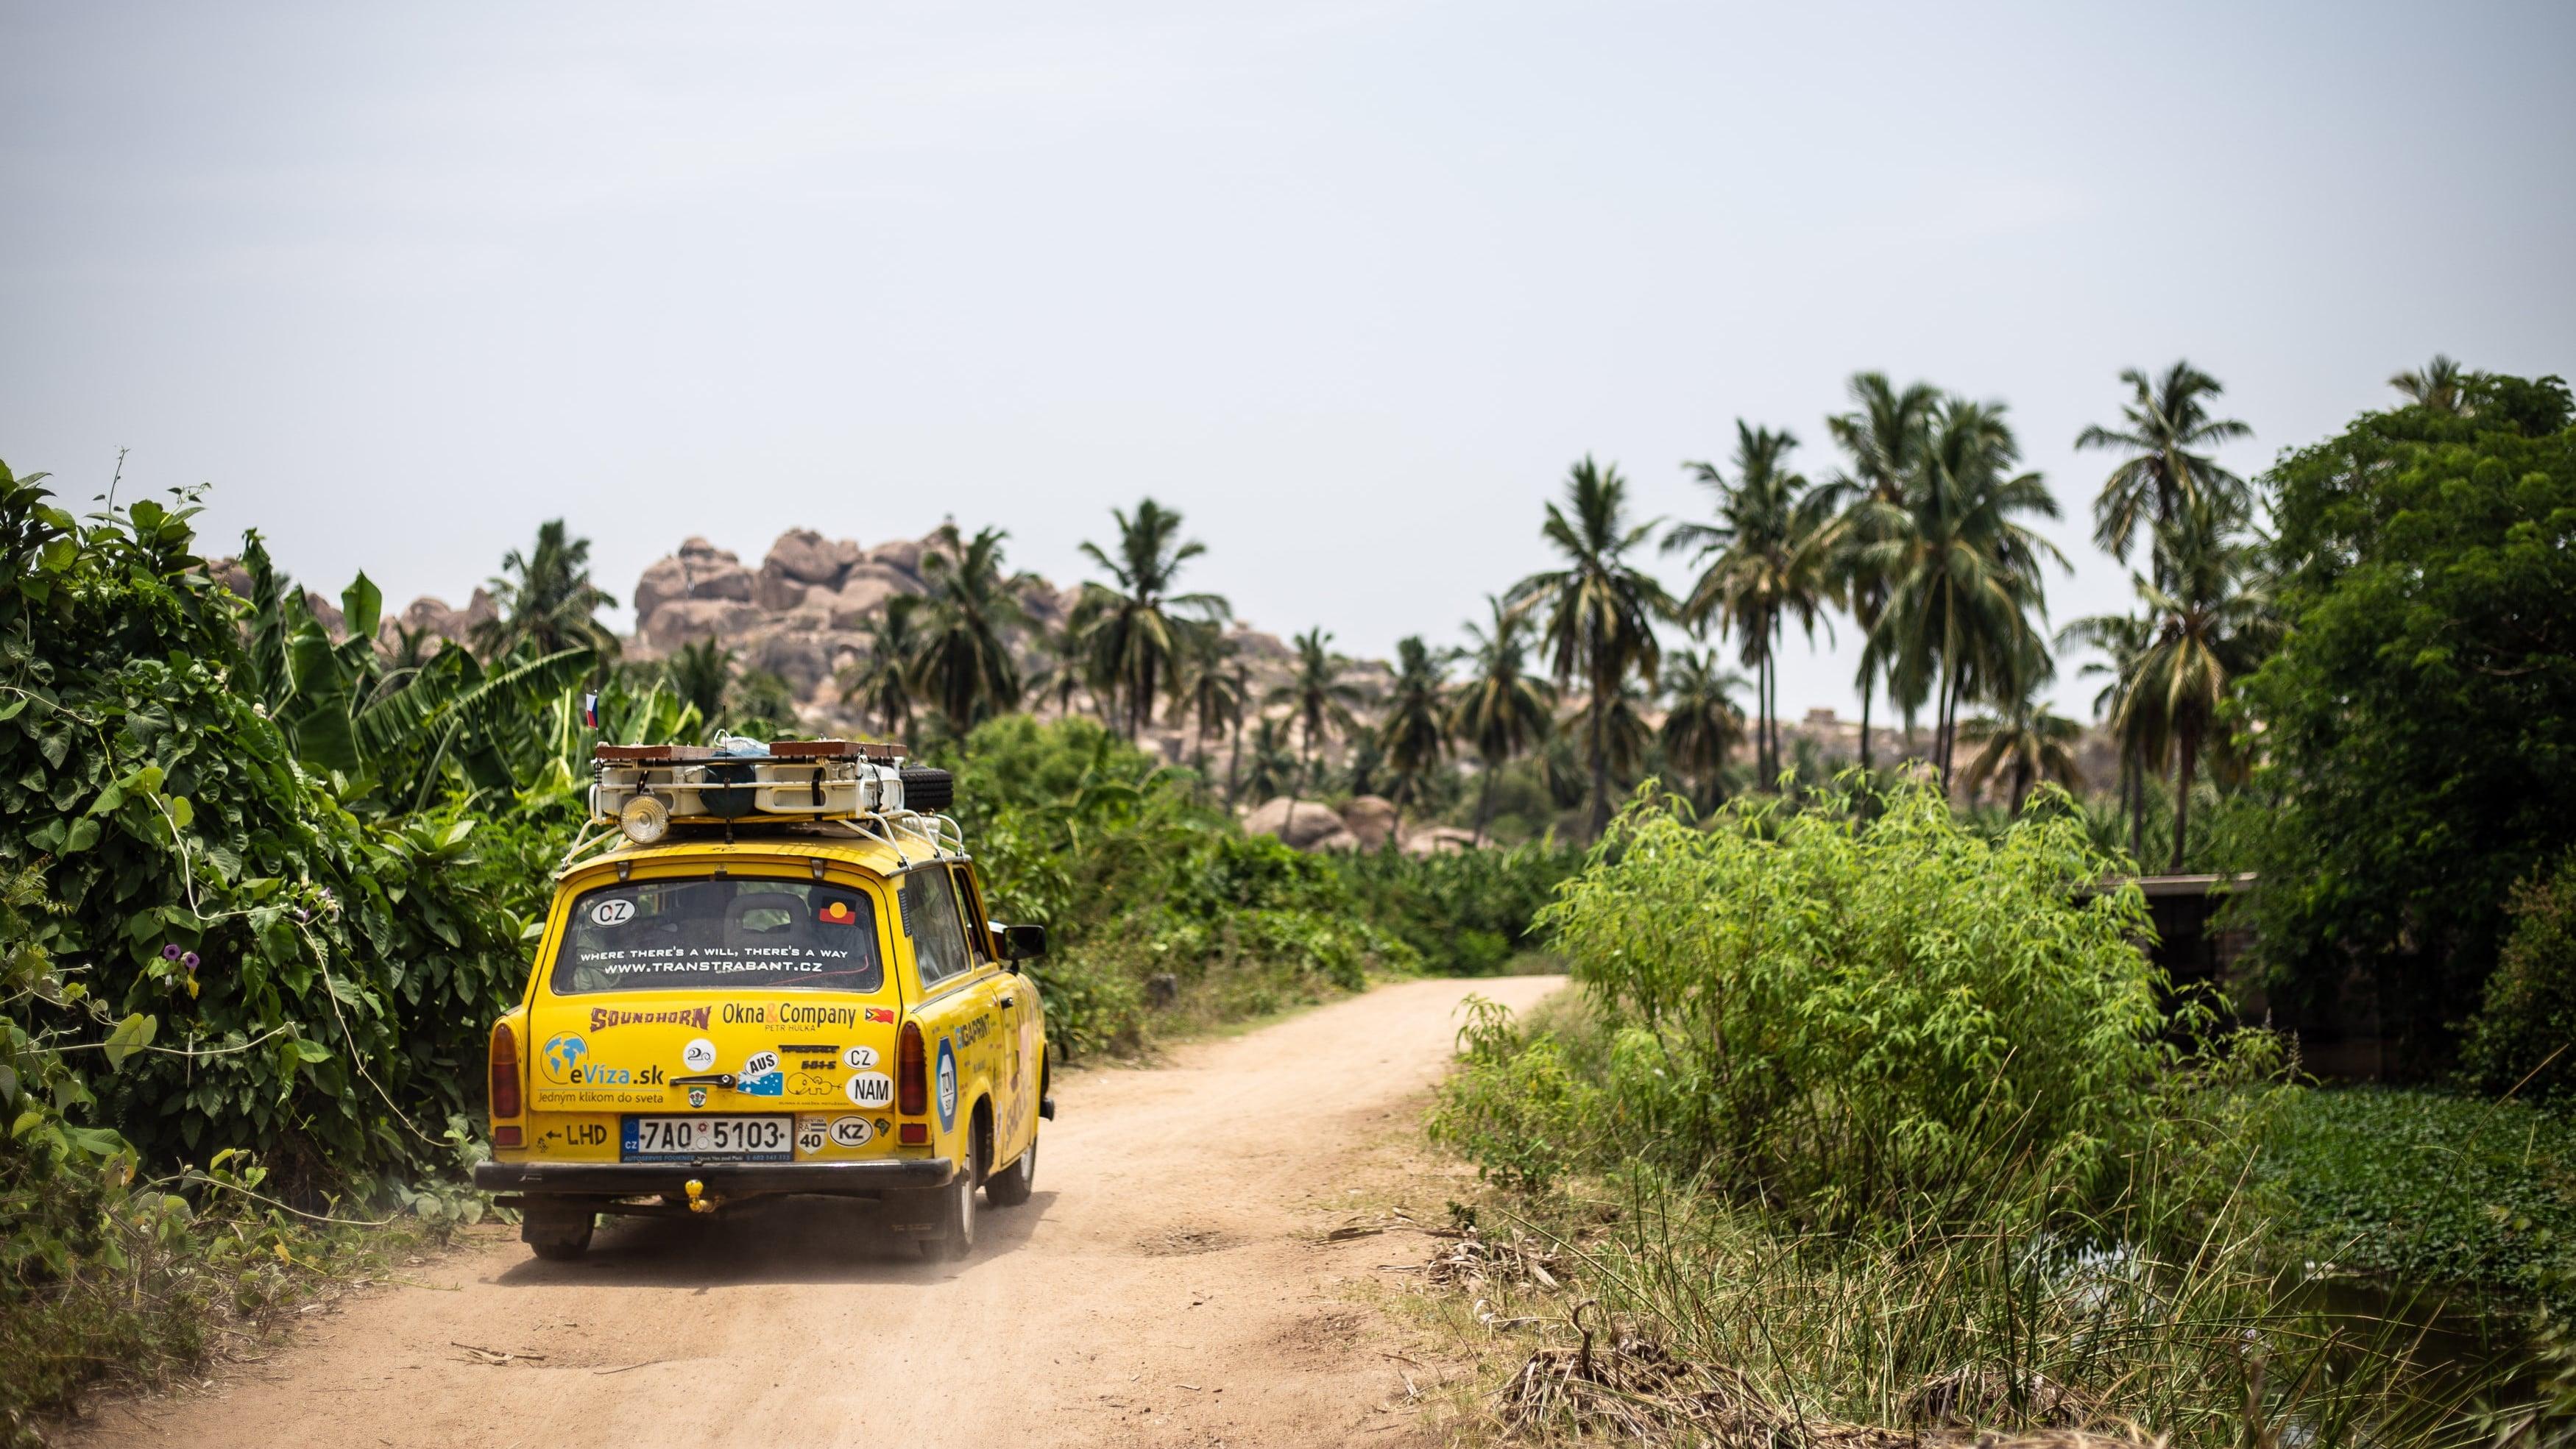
(759, 1064)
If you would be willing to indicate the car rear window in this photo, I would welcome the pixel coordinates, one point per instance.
(729, 934)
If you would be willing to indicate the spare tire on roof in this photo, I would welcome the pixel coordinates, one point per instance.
(928, 791)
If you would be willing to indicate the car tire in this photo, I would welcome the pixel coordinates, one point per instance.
(557, 1232)
(954, 1237)
(1011, 1186)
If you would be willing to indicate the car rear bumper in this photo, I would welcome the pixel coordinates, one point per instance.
(724, 1179)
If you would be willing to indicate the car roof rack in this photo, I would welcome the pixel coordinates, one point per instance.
(640, 793)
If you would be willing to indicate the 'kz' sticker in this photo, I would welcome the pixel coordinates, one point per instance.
(871, 1089)
(850, 1132)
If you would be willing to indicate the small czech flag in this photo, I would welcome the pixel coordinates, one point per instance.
(590, 710)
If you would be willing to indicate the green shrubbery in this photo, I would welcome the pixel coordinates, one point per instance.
(1855, 1010)
(319, 983)
(1080, 832)
(2524, 1036)
(1467, 913)
(1863, 1101)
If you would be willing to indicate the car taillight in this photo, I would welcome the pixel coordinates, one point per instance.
(911, 1075)
(505, 1071)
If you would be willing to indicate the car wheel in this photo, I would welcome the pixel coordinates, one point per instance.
(558, 1232)
(954, 1238)
(1011, 1186)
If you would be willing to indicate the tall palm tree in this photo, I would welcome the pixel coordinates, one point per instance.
(2024, 738)
(1702, 725)
(2167, 418)
(1414, 731)
(1132, 631)
(545, 595)
(962, 659)
(881, 685)
(2211, 619)
(1600, 608)
(1320, 699)
(1964, 573)
(1242, 707)
(1270, 769)
(1502, 709)
(1764, 564)
(1210, 688)
(1885, 435)
(1060, 669)
(2123, 640)
(2443, 386)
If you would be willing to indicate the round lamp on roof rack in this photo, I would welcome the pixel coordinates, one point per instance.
(645, 820)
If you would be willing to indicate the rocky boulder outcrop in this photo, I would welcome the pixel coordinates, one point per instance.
(1370, 820)
(1301, 824)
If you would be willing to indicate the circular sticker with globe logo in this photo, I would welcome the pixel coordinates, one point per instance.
(947, 1085)
(564, 1051)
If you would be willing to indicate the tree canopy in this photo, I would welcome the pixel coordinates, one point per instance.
(2415, 718)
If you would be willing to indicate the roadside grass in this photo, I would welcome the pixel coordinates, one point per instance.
(161, 1289)
(2429, 1190)
(1706, 1318)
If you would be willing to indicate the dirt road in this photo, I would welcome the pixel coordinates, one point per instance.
(1167, 1285)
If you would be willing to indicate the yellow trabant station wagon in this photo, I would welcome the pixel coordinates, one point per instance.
(768, 969)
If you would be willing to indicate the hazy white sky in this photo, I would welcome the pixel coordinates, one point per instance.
(1349, 284)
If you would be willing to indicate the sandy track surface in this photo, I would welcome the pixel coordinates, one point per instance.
(1167, 1285)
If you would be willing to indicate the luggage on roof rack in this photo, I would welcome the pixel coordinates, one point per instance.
(742, 782)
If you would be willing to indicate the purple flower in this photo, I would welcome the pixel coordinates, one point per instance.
(189, 960)
(170, 952)
(302, 914)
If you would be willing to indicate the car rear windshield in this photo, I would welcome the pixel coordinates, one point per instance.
(732, 935)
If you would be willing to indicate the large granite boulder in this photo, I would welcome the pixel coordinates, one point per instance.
(686, 621)
(1371, 818)
(902, 555)
(810, 558)
(700, 570)
(1300, 824)
(860, 601)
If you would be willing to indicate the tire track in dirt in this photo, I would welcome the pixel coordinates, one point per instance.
(1166, 1285)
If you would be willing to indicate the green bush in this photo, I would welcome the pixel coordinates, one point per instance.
(1464, 914)
(321, 983)
(2525, 1033)
(1082, 833)
(1858, 1010)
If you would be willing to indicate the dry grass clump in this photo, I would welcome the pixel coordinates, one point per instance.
(1634, 1389)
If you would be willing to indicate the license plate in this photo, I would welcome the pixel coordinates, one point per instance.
(697, 1139)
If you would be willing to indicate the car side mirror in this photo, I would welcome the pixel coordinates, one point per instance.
(1023, 943)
